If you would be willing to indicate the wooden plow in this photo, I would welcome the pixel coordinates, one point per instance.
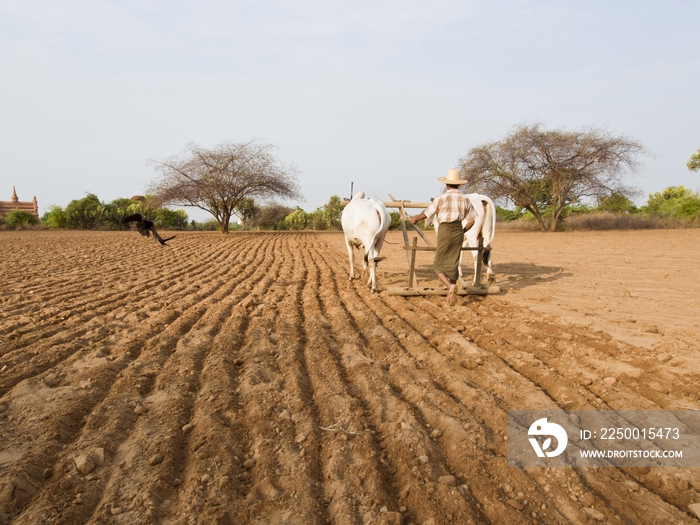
(412, 289)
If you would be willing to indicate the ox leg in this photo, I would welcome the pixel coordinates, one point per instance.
(490, 275)
(371, 260)
(351, 256)
(485, 261)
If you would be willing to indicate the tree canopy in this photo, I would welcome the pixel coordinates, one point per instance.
(87, 213)
(694, 161)
(246, 210)
(615, 203)
(544, 171)
(674, 201)
(221, 179)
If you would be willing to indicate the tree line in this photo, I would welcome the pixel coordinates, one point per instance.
(539, 173)
(671, 207)
(89, 213)
(534, 173)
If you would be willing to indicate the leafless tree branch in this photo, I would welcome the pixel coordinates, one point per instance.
(544, 171)
(217, 180)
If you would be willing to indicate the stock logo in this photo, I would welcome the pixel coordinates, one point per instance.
(543, 428)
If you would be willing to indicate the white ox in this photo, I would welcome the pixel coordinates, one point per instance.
(365, 223)
(484, 226)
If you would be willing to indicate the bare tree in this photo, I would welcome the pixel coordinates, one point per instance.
(219, 180)
(545, 171)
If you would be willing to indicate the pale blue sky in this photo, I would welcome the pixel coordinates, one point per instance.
(385, 94)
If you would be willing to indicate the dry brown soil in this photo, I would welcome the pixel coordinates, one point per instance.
(244, 379)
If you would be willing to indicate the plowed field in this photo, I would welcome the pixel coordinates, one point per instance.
(244, 379)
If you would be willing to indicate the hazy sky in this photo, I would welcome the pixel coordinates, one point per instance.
(385, 94)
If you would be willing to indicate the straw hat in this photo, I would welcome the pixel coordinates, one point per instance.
(453, 177)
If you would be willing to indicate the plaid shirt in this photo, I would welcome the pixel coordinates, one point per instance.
(451, 206)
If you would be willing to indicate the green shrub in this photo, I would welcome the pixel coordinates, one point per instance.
(87, 213)
(395, 220)
(211, 225)
(318, 220)
(688, 207)
(675, 201)
(505, 215)
(55, 218)
(297, 220)
(170, 219)
(616, 203)
(332, 212)
(20, 219)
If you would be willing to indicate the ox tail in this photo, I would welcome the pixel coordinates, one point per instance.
(379, 208)
(490, 211)
(490, 208)
(486, 257)
(382, 219)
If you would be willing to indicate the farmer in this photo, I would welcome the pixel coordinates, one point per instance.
(450, 209)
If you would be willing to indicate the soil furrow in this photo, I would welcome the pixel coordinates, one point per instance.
(411, 453)
(170, 405)
(281, 464)
(420, 399)
(244, 379)
(131, 349)
(354, 473)
(210, 464)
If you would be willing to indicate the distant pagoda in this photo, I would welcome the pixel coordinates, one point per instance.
(15, 204)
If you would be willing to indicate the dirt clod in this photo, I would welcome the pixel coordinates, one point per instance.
(84, 464)
(515, 504)
(448, 480)
(594, 514)
(7, 491)
(587, 500)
